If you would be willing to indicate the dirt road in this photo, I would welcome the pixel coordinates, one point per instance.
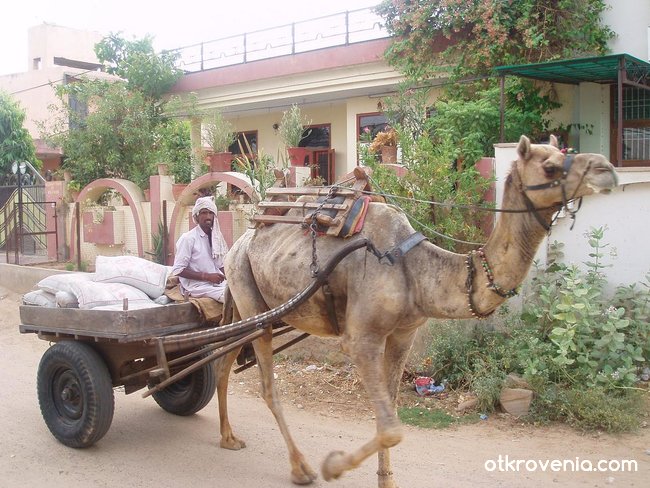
(147, 447)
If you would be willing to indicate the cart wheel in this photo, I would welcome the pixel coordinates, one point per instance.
(190, 394)
(75, 393)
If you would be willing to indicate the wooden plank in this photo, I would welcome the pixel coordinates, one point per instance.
(122, 325)
(308, 190)
(279, 219)
(303, 205)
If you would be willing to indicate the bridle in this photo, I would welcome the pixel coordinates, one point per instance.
(469, 260)
(561, 182)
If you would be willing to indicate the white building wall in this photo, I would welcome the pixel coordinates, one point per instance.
(34, 91)
(47, 41)
(630, 19)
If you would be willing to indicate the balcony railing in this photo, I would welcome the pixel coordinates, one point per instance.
(332, 30)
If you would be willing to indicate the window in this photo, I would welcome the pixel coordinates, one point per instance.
(78, 107)
(369, 125)
(36, 63)
(316, 136)
(636, 126)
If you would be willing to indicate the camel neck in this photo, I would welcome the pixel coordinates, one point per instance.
(509, 251)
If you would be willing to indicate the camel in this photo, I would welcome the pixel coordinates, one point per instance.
(379, 307)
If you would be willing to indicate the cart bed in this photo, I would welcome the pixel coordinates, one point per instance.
(123, 326)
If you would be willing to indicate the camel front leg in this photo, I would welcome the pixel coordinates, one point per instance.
(301, 472)
(398, 345)
(223, 367)
(367, 351)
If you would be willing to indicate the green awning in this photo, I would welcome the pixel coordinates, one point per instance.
(597, 69)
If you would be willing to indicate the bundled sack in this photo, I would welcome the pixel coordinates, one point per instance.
(62, 281)
(91, 295)
(40, 298)
(66, 299)
(142, 274)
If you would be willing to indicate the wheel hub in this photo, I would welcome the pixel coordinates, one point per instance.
(69, 401)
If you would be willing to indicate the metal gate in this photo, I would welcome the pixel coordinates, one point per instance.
(24, 233)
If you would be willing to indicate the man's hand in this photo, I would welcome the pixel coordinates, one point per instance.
(214, 277)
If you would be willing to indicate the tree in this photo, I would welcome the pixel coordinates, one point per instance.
(125, 130)
(482, 34)
(136, 61)
(15, 142)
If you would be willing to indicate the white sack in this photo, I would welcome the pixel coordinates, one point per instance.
(91, 294)
(39, 298)
(62, 281)
(140, 273)
(66, 299)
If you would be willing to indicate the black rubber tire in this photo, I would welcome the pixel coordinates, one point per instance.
(75, 393)
(190, 394)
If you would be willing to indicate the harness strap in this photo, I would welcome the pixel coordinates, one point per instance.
(401, 249)
(568, 162)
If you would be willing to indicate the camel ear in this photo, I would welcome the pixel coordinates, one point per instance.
(523, 149)
(553, 141)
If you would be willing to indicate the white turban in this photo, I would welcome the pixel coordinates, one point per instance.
(219, 246)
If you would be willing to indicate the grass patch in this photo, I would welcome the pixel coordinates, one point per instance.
(432, 418)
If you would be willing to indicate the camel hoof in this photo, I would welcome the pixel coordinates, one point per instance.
(232, 443)
(333, 466)
(304, 476)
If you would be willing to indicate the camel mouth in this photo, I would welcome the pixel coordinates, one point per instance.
(603, 189)
(602, 180)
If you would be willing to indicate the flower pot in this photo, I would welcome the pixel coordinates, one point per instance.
(177, 189)
(298, 156)
(388, 154)
(220, 162)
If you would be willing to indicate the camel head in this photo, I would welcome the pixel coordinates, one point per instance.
(549, 177)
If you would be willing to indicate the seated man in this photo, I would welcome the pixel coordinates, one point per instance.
(200, 253)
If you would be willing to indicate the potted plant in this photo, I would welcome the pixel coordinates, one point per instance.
(74, 188)
(219, 134)
(385, 143)
(292, 131)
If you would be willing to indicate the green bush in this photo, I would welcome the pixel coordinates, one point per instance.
(580, 349)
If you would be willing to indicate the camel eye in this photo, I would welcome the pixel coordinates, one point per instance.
(551, 171)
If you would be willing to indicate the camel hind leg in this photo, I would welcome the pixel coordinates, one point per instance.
(301, 471)
(250, 302)
(223, 366)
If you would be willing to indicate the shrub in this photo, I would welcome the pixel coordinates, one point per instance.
(580, 350)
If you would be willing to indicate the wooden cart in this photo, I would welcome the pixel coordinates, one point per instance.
(165, 349)
(96, 350)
